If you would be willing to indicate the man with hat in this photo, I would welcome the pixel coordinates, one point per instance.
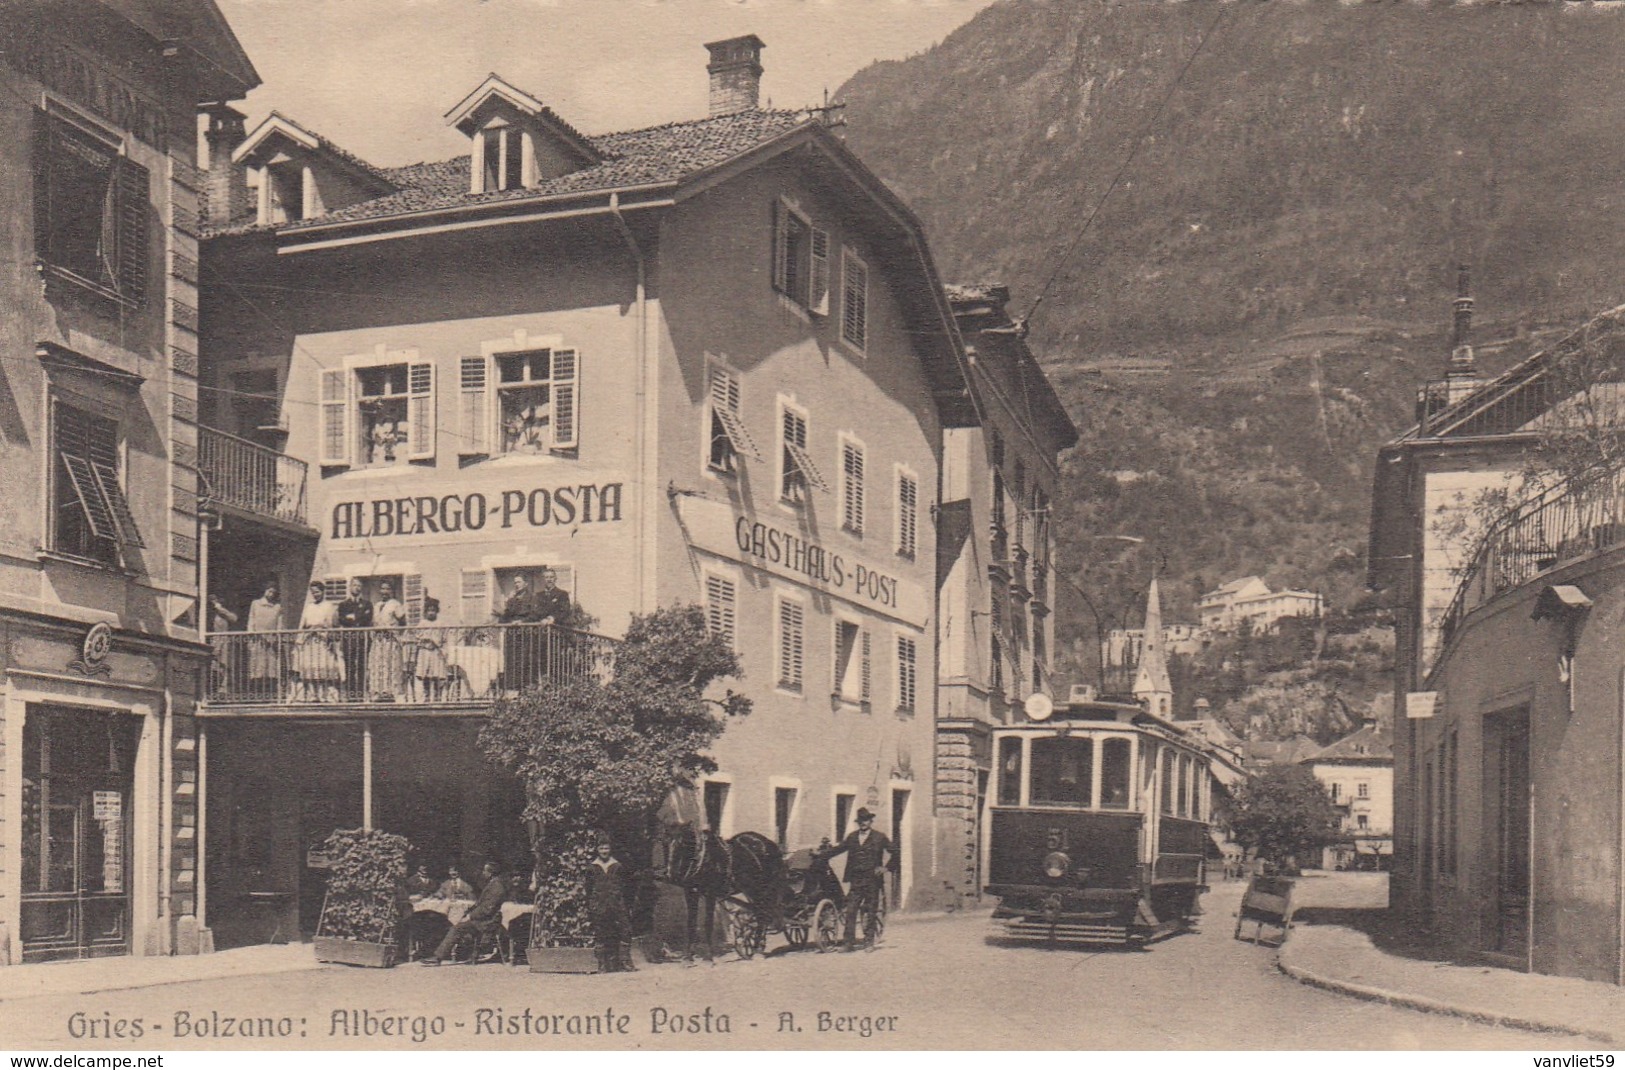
(482, 920)
(606, 907)
(869, 855)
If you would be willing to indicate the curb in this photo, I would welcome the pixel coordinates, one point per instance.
(1434, 1006)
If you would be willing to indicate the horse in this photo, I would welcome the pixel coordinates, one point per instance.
(710, 869)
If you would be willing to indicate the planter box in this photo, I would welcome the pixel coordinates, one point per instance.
(354, 952)
(562, 959)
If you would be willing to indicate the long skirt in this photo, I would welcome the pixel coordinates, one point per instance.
(386, 668)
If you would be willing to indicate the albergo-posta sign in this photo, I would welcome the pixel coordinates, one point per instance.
(434, 514)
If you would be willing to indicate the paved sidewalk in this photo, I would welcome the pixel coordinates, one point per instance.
(1345, 959)
(111, 974)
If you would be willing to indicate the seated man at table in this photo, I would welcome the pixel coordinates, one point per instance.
(483, 919)
(454, 887)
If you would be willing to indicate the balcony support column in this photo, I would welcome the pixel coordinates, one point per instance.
(366, 775)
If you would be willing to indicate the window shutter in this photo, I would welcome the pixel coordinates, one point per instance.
(42, 184)
(719, 607)
(420, 412)
(134, 244)
(781, 249)
(335, 588)
(818, 295)
(566, 382)
(908, 505)
(335, 406)
(474, 405)
(117, 503)
(907, 666)
(868, 673)
(476, 596)
(854, 301)
(790, 645)
(412, 595)
(852, 491)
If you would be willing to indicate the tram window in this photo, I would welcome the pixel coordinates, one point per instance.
(1114, 774)
(1063, 772)
(1167, 781)
(1009, 772)
(1184, 785)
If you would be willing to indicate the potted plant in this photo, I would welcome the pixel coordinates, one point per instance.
(561, 939)
(361, 913)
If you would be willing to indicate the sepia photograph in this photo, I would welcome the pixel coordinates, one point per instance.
(720, 526)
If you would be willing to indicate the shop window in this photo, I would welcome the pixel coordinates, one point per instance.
(854, 300)
(91, 208)
(908, 669)
(1063, 772)
(792, 621)
(1010, 771)
(796, 469)
(1114, 774)
(91, 515)
(852, 675)
(729, 441)
(719, 607)
(908, 514)
(800, 259)
(852, 487)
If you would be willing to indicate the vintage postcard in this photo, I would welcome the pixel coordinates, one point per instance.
(842, 525)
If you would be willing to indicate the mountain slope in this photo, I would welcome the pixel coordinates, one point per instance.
(1250, 313)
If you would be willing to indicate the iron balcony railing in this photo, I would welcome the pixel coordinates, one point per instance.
(1570, 520)
(421, 664)
(247, 476)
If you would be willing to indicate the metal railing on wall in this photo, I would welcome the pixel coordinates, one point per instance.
(250, 477)
(393, 666)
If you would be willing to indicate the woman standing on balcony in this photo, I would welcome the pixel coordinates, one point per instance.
(315, 660)
(386, 672)
(264, 657)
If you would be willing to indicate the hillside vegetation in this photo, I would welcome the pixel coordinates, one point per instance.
(1251, 312)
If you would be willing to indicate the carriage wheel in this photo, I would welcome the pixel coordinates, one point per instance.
(827, 925)
(797, 935)
(745, 928)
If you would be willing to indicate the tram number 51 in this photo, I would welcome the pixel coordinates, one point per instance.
(1056, 839)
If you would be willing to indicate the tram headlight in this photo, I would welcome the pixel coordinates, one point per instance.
(1056, 863)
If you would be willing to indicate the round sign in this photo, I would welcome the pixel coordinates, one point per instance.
(98, 643)
(1039, 706)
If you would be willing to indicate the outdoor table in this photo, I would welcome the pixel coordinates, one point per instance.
(510, 911)
(455, 910)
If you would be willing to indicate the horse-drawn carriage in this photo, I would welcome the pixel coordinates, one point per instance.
(761, 891)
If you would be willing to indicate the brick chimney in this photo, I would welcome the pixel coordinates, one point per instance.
(736, 74)
(1462, 378)
(226, 183)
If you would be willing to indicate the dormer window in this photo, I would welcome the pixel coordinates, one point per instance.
(503, 166)
(285, 189)
(302, 175)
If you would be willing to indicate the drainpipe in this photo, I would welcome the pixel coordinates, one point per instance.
(166, 821)
(645, 456)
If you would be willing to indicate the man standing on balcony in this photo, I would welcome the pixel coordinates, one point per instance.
(528, 652)
(355, 612)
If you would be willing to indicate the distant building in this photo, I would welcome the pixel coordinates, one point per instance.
(1358, 771)
(1249, 601)
(1122, 646)
(1260, 754)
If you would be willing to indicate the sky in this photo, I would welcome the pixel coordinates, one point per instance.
(378, 76)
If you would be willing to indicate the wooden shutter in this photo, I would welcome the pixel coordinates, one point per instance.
(818, 284)
(566, 384)
(420, 412)
(474, 405)
(852, 488)
(790, 645)
(335, 412)
(134, 243)
(781, 248)
(476, 596)
(854, 300)
(117, 503)
(907, 669)
(42, 184)
(335, 588)
(719, 607)
(868, 674)
(412, 596)
(725, 411)
(908, 512)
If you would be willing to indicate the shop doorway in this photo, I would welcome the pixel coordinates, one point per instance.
(1509, 798)
(78, 776)
(899, 839)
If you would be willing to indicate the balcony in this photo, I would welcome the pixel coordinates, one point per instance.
(399, 669)
(246, 478)
(1569, 521)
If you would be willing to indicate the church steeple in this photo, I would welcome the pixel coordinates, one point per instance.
(1151, 683)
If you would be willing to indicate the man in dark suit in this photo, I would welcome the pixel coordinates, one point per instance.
(607, 888)
(482, 920)
(532, 653)
(355, 612)
(869, 856)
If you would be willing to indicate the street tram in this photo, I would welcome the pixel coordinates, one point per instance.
(1098, 824)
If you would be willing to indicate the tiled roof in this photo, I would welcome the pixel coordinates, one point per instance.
(329, 145)
(1363, 745)
(650, 156)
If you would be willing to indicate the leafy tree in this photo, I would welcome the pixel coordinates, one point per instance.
(1284, 814)
(604, 754)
